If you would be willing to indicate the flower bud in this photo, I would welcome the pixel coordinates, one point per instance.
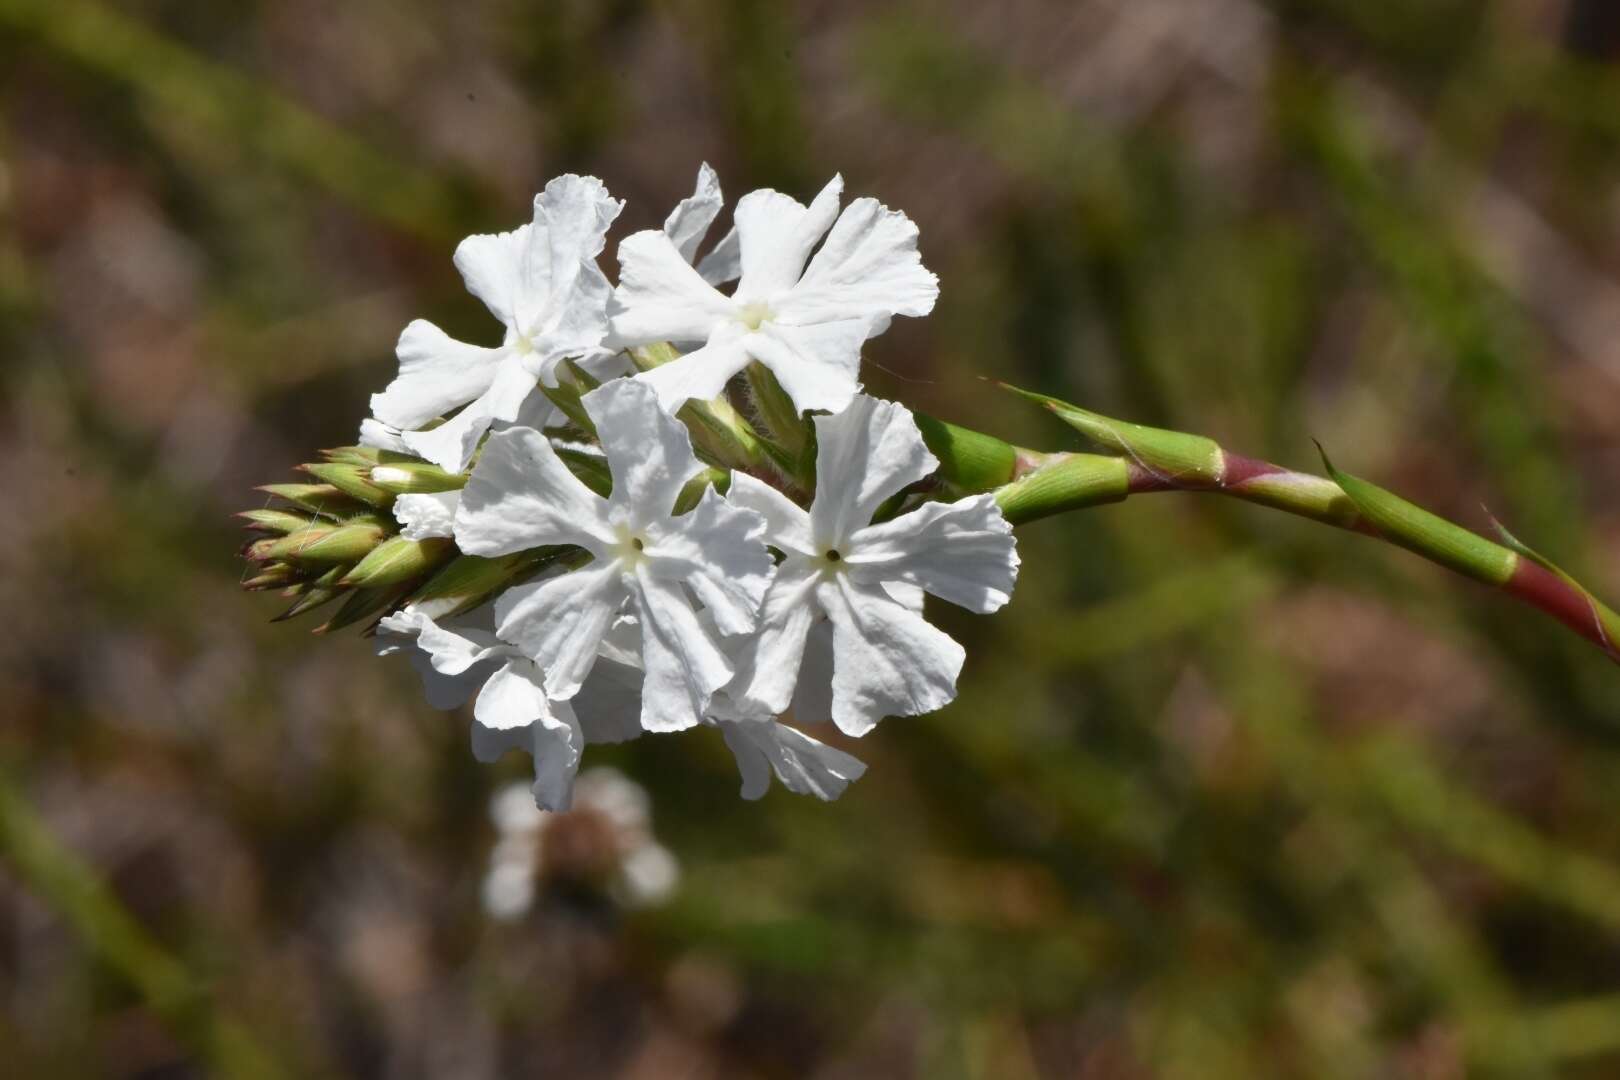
(327, 544)
(399, 559)
(351, 481)
(274, 521)
(316, 498)
(406, 477)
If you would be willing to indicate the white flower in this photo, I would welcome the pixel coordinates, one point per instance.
(803, 765)
(375, 433)
(422, 516)
(511, 710)
(805, 324)
(644, 558)
(887, 660)
(542, 282)
(689, 223)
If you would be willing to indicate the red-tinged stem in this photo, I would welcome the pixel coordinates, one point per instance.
(1321, 499)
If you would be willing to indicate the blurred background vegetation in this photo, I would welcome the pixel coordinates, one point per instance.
(1224, 795)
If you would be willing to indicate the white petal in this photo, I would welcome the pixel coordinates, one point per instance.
(649, 452)
(787, 524)
(571, 319)
(514, 697)
(660, 296)
(752, 761)
(887, 660)
(426, 515)
(489, 744)
(578, 324)
(963, 552)
(819, 366)
(521, 496)
(492, 266)
(869, 267)
(398, 634)
(683, 663)
(864, 455)
(812, 696)
(551, 733)
(453, 648)
(451, 445)
(375, 433)
(724, 263)
(561, 299)
(560, 622)
(558, 745)
(700, 374)
(776, 234)
(718, 551)
(689, 222)
(768, 666)
(436, 374)
(803, 765)
(609, 704)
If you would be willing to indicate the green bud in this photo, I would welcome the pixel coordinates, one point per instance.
(1185, 460)
(327, 544)
(410, 477)
(322, 590)
(968, 460)
(399, 559)
(361, 604)
(1431, 536)
(695, 487)
(350, 480)
(275, 521)
(468, 580)
(791, 432)
(316, 498)
(1064, 482)
(275, 576)
(566, 396)
(659, 353)
(353, 455)
(592, 469)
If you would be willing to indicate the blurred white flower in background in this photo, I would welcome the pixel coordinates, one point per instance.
(605, 840)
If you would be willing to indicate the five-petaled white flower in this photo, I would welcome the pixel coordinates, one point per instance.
(806, 324)
(543, 283)
(460, 659)
(643, 556)
(887, 660)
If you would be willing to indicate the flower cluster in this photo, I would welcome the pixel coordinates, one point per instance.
(658, 505)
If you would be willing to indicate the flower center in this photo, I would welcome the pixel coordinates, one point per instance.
(630, 549)
(752, 315)
(833, 555)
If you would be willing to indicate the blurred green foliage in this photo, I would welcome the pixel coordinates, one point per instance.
(1224, 794)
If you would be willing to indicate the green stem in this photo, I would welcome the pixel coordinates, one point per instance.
(1037, 486)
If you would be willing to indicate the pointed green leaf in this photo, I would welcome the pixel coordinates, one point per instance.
(1183, 460)
(1430, 535)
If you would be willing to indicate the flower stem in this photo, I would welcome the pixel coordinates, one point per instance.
(1033, 485)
